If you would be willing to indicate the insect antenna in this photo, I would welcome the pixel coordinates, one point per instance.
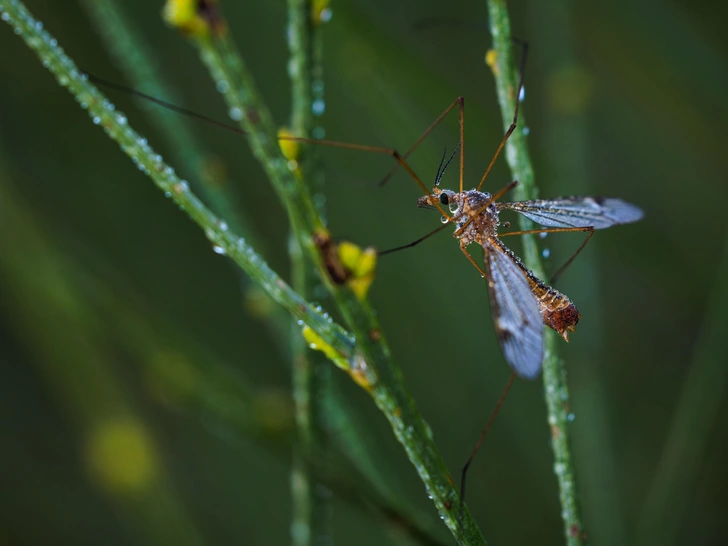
(466, 466)
(441, 169)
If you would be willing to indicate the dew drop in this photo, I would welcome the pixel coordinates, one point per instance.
(168, 194)
(218, 250)
(97, 120)
(235, 113)
(570, 417)
(522, 94)
(223, 86)
(121, 119)
(325, 15)
(526, 131)
(543, 235)
(5, 16)
(546, 253)
(318, 132)
(223, 226)
(318, 107)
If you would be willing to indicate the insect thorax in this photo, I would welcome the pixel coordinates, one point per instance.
(485, 223)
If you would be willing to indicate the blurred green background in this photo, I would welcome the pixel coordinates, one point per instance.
(133, 367)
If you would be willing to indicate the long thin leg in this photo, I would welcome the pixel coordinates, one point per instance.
(515, 114)
(459, 100)
(561, 269)
(413, 243)
(377, 150)
(483, 434)
(470, 258)
(462, 141)
(497, 195)
(388, 151)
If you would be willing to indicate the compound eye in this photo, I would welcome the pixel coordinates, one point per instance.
(444, 199)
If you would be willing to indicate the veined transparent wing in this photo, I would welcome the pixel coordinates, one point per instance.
(596, 212)
(516, 316)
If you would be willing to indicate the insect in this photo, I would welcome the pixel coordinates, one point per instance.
(520, 302)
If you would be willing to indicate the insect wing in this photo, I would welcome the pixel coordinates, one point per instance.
(517, 319)
(596, 212)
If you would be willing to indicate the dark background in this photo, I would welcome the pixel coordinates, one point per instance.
(622, 98)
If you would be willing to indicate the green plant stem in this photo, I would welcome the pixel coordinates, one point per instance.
(383, 378)
(134, 56)
(372, 362)
(310, 371)
(180, 373)
(116, 125)
(554, 372)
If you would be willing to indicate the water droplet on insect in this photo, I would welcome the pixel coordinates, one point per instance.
(444, 219)
(219, 250)
(318, 107)
(453, 207)
(546, 253)
(235, 113)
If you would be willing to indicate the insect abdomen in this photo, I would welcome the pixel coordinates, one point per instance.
(557, 310)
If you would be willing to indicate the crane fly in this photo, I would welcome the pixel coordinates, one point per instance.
(520, 302)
